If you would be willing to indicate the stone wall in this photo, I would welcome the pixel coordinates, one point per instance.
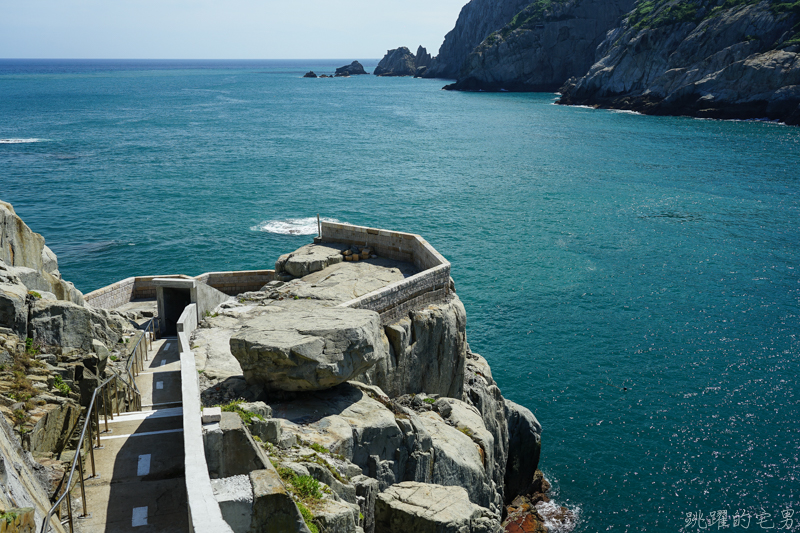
(394, 301)
(142, 287)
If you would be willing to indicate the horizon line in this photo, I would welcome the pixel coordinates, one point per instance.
(177, 59)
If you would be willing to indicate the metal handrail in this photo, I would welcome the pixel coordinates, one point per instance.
(133, 397)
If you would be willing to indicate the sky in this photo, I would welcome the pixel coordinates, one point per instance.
(233, 29)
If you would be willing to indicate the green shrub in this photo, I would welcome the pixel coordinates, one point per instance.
(58, 382)
(306, 487)
(35, 294)
(430, 400)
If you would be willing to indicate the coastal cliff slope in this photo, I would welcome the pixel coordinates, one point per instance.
(544, 44)
(737, 59)
(476, 21)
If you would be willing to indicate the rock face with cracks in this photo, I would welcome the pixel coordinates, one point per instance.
(304, 350)
(426, 508)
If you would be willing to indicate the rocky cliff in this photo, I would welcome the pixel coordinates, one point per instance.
(401, 62)
(542, 46)
(425, 417)
(476, 21)
(737, 59)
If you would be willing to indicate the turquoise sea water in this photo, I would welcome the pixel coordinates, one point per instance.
(632, 280)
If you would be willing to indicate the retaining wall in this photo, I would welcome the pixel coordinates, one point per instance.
(394, 301)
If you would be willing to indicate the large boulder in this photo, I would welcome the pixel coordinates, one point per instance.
(308, 349)
(73, 327)
(308, 259)
(425, 508)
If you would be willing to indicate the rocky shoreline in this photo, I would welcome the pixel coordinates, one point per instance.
(358, 425)
(706, 58)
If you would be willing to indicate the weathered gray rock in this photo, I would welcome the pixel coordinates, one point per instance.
(73, 327)
(366, 492)
(427, 353)
(335, 515)
(482, 393)
(540, 49)
(267, 430)
(308, 259)
(311, 349)
(424, 508)
(459, 461)
(274, 511)
(13, 302)
(524, 448)
(353, 69)
(731, 62)
(397, 62)
(21, 248)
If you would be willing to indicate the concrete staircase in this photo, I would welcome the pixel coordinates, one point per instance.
(140, 484)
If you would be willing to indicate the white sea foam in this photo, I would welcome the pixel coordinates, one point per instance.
(555, 520)
(20, 141)
(292, 226)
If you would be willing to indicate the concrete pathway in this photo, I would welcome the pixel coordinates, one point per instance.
(140, 484)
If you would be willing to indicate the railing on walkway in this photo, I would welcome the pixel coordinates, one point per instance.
(133, 400)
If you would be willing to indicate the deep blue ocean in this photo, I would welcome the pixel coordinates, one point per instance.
(633, 280)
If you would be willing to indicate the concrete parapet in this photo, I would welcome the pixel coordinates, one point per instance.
(430, 286)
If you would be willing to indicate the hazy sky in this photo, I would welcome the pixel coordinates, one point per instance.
(234, 29)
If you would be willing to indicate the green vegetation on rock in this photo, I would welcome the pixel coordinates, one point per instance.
(235, 407)
(533, 13)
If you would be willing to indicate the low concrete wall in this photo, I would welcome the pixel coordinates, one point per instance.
(237, 282)
(394, 301)
(204, 513)
(143, 288)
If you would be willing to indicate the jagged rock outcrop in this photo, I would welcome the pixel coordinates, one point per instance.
(25, 255)
(310, 349)
(353, 69)
(310, 74)
(476, 21)
(426, 353)
(397, 62)
(401, 62)
(541, 47)
(700, 59)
